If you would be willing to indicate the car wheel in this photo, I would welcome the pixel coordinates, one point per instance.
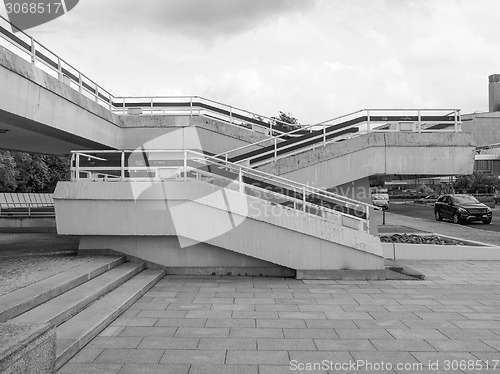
(456, 218)
(487, 221)
(438, 215)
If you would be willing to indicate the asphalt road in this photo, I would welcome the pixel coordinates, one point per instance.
(427, 212)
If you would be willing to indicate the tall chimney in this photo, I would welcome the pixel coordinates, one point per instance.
(494, 92)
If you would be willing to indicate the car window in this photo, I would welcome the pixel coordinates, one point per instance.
(466, 199)
(441, 199)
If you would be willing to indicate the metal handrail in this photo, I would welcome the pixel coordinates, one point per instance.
(368, 123)
(240, 171)
(37, 53)
(26, 210)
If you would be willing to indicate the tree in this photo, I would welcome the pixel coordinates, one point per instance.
(476, 183)
(285, 122)
(25, 172)
(8, 172)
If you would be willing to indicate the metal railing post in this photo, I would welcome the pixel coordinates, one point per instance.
(324, 134)
(123, 107)
(151, 106)
(33, 51)
(419, 124)
(122, 166)
(231, 115)
(59, 69)
(304, 199)
(275, 149)
(79, 82)
(185, 166)
(77, 163)
(367, 218)
(191, 106)
(109, 101)
(240, 180)
(96, 93)
(455, 113)
(368, 126)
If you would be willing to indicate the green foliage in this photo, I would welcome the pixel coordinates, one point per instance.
(8, 172)
(285, 122)
(25, 172)
(476, 183)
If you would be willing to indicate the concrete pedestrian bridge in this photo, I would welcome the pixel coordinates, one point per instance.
(199, 186)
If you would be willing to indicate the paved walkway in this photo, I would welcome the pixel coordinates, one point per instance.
(272, 325)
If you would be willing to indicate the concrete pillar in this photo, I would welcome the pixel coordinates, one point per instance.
(494, 93)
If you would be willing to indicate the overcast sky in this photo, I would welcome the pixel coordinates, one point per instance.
(314, 59)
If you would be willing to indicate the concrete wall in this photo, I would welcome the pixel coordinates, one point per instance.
(36, 103)
(484, 127)
(198, 212)
(379, 153)
(27, 224)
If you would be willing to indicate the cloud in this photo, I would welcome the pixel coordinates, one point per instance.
(204, 20)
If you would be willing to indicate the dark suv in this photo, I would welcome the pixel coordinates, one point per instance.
(461, 208)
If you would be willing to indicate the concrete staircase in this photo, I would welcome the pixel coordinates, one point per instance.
(80, 302)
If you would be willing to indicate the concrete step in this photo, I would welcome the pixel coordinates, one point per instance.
(76, 332)
(61, 308)
(24, 299)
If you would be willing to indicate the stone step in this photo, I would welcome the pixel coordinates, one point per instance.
(61, 308)
(76, 332)
(24, 299)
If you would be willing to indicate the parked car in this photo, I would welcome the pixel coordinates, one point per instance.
(381, 200)
(461, 208)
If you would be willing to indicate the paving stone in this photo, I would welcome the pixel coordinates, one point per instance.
(87, 354)
(275, 369)
(195, 356)
(416, 334)
(177, 322)
(132, 356)
(202, 332)
(230, 322)
(258, 357)
(242, 332)
(286, 345)
(85, 368)
(148, 331)
(404, 345)
(161, 314)
(154, 369)
(208, 314)
(249, 314)
(124, 321)
(468, 345)
(459, 334)
(241, 344)
(281, 323)
(344, 345)
(324, 333)
(330, 323)
(363, 334)
(115, 342)
(223, 369)
(380, 324)
(154, 342)
(348, 315)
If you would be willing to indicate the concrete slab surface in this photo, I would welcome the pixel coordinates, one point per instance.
(290, 326)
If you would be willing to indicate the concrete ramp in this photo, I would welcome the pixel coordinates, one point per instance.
(196, 224)
(391, 153)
